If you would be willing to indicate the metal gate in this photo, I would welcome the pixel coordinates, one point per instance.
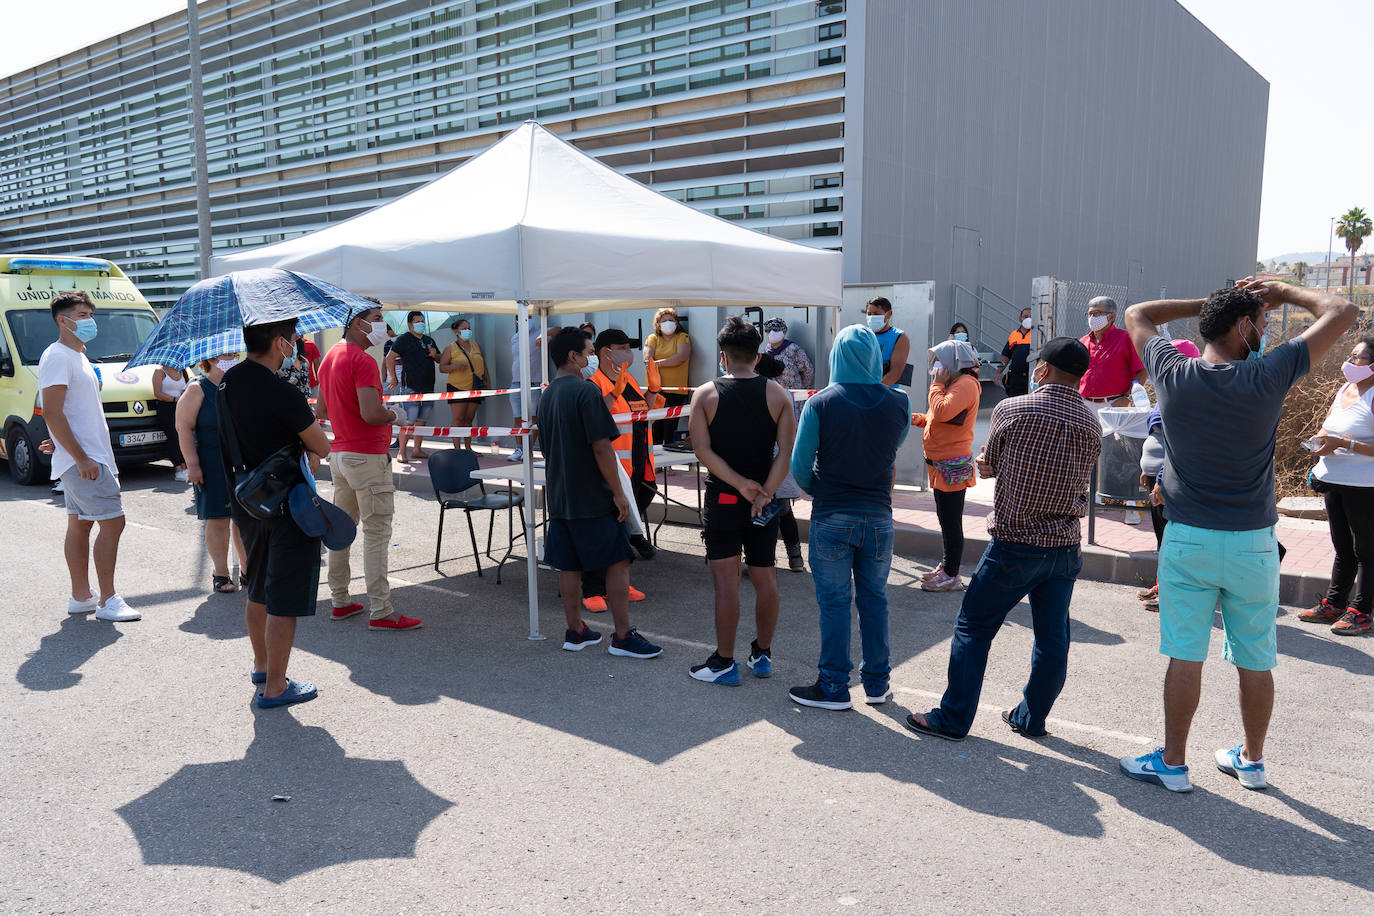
(1062, 305)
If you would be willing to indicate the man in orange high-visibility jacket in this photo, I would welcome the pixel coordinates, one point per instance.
(634, 445)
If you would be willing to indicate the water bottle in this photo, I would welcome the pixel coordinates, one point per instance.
(1139, 395)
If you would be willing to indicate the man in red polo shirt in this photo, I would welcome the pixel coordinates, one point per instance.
(351, 399)
(1113, 363)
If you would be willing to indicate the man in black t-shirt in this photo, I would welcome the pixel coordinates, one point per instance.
(586, 508)
(283, 563)
(417, 353)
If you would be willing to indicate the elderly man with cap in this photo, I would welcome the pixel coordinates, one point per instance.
(948, 446)
(1113, 363)
(1041, 448)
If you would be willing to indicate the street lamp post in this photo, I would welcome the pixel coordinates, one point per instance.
(203, 240)
(1330, 234)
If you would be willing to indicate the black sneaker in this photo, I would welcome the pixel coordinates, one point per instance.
(716, 670)
(816, 695)
(634, 646)
(576, 642)
(794, 562)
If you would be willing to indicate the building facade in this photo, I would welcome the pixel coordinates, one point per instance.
(974, 143)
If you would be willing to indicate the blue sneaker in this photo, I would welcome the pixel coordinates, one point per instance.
(1250, 773)
(634, 646)
(759, 662)
(817, 696)
(1152, 768)
(716, 670)
(576, 642)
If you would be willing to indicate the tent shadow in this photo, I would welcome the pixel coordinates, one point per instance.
(341, 809)
(52, 666)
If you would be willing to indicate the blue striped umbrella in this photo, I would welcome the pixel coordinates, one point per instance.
(209, 318)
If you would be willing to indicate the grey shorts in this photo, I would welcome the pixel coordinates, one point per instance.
(92, 500)
(517, 408)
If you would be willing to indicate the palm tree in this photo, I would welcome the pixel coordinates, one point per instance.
(1300, 271)
(1354, 227)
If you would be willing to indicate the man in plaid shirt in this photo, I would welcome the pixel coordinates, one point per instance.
(1041, 448)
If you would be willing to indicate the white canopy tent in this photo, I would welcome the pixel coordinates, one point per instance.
(533, 222)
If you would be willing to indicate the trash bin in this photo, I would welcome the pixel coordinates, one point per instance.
(1124, 430)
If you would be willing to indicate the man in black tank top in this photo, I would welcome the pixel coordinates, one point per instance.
(742, 428)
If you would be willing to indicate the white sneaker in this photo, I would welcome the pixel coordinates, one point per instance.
(1250, 773)
(57, 487)
(117, 611)
(75, 607)
(518, 454)
(183, 475)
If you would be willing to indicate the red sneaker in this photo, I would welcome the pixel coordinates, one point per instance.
(595, 605)
(1324, 612)
(343, 613)
(404, 623)
(636, 594)
(1353, 623)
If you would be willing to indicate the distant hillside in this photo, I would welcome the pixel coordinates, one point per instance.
(1311, 257)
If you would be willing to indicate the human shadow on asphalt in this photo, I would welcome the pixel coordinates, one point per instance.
(52, 666)
(1325, 648)
(219, 616)
(341, 809)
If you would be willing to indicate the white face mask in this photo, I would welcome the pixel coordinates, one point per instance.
(593, 363)
(668, 328)
(1354, 373)
(1026, 323)
(776, 337)
(224, 365)
(877, 322)
(376, 333)
(1098, 322)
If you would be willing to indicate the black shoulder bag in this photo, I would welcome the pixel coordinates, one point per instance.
(263, 490)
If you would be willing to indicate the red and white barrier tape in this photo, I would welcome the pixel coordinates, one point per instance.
(456, 395)
(456, 432)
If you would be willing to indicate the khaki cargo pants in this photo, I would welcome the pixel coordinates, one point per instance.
(363, 487)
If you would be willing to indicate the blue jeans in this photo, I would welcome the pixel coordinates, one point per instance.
(857, 550)
(1007, 573)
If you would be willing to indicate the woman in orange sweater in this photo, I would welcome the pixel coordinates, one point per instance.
(948, 445)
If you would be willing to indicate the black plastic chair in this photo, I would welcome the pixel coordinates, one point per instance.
(450, 472)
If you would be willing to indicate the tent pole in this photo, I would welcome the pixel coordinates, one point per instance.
(544, 336)
(532, 563)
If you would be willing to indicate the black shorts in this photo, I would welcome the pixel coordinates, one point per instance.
(581, 544)
(1016, 384)
(282, 566)
(729, 529)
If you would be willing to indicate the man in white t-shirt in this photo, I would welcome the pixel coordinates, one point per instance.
(83, 458)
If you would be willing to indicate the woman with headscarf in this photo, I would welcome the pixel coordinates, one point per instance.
(948, 445)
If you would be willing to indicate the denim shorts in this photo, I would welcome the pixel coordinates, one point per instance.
(517, 406)
(413, 413)
(1199, 568)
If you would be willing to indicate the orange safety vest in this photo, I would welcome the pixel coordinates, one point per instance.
(630, 398)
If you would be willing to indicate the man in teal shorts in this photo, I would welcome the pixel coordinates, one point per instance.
(1222, 411)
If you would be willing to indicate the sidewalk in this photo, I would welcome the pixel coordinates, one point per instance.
(1122, 552)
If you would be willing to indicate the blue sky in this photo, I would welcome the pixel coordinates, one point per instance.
(1315, 55)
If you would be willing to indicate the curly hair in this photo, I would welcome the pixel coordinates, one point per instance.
(1224, 308)
(666, 312)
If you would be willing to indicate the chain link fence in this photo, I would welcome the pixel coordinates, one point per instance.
(1070, 298)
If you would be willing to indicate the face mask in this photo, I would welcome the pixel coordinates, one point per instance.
(1026, 323)
(1034, 382)
(465, 333)
(776, 337)
(1255, 352)
(418, 327)
(85, 329)
(668, 328)
(876, 322)
(1354, 373)
(224, 365)
(623, 357)
(593, 363)
(287, 360)
(961, 335)
(936, 367)
(1098, 322)
(376, 334)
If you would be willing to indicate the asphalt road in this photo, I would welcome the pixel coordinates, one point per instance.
(464, 768)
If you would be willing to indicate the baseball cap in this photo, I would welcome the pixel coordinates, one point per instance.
(1064, 353)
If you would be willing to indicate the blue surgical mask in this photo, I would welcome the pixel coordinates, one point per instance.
(1263, 342)
(961, 335)
(593, 363)
(876, 322)
(465, 333)
(418, 327)
(85, 329)
(287, 360)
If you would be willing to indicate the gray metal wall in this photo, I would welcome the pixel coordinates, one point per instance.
(1115, 141)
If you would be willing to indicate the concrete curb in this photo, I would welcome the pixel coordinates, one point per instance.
(1100, 564)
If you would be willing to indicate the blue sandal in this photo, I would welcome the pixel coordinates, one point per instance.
(295, 692)
(257, 677)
